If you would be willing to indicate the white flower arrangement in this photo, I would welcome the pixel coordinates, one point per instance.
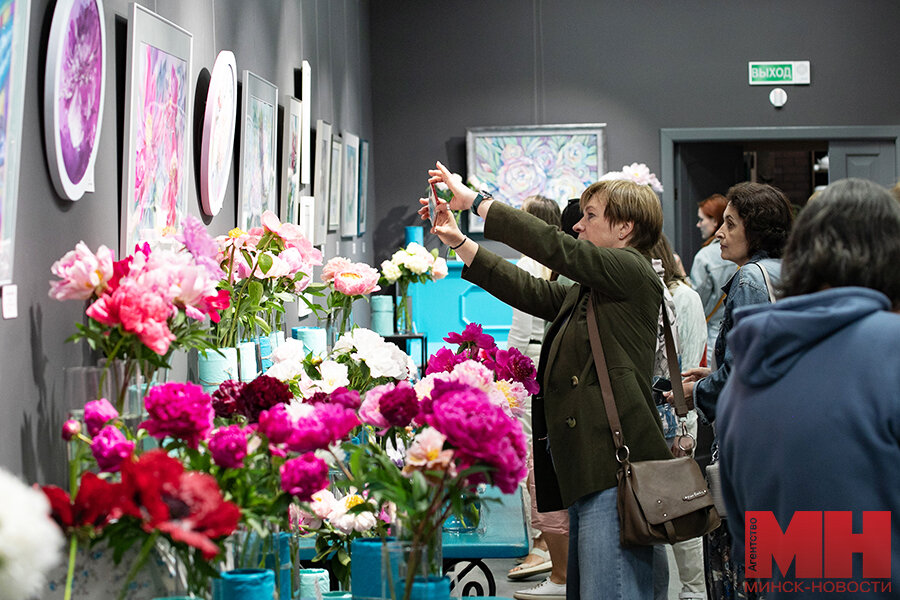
(29, 539)
(413, 264)
(636, 172)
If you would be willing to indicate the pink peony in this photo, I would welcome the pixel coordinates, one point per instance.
(276, 424)
(439, 270)
(515, 366)
(82, 273)
(328, 424)
(304, 476)
(399, 404)
(97, 413)
(472, 334)
(357, 279)
(370, 411)
(344, 397)
(179, 410)
(110, 448)
(225, 399)
(426, 453)
(443, 360)
(71, 428)
(334, 266)
(139, 310)
(261, 394)
(228, 446)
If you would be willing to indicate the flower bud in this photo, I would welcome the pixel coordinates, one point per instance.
(70, 429)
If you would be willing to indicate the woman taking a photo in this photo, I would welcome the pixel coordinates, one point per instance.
(574, 453)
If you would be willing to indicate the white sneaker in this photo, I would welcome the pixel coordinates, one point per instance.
(545, 590)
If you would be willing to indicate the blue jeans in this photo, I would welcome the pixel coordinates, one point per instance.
(599, 567)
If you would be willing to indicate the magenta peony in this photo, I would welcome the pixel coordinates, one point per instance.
(443, 360)
(276, 424)
(344, 397)
(399, 404)
(179, 410)
(515, 366)
(304, 476)
(261, 394)
(110, 448)
(228, 446)
(71, 428)
(472, 335)
(97, 413)
(225, 399)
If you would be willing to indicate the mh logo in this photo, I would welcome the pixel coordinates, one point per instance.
(820, 544)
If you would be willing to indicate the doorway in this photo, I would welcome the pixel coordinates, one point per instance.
(699, 162)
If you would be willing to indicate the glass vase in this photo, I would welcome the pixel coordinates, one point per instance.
(404, 309)
(408, 563)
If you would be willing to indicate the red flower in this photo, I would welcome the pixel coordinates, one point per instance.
(96, 504)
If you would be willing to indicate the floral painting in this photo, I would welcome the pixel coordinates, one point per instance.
(160, 145)
(80, 92)
(290, 172)
(350, 185)
(7, 11)
(259, 160)
(556, 161)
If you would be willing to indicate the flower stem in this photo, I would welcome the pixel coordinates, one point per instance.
(139, 562)
(70, 572)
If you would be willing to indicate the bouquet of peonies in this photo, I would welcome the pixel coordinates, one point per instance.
(636, 172)
(413, 264)
(347, 281)
(263, 268)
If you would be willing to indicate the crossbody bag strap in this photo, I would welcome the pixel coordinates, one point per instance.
(681, 408)
(609, 403)
(768, 282)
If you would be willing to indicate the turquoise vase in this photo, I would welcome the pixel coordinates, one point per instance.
(365, 568)
(219, 364)
(244, 584)
(313, 583)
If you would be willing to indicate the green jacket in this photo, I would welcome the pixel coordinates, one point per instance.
(573, 449)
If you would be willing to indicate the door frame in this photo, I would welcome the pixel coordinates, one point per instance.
(668, 137)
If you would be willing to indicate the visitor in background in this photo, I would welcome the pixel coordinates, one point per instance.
(574, 452)
(810, 419)
(710, 271)
(757, 221)
(690, 326)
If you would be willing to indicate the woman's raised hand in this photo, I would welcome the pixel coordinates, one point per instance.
(444, 224)
(463, 196)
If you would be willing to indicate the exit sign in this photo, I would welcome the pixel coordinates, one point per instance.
(779, 73)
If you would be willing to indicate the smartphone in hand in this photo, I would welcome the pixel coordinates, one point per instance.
(432, 204)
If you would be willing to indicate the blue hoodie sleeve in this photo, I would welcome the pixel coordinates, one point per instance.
(749, 288)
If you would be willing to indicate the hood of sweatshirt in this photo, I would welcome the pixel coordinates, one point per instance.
(768, 339)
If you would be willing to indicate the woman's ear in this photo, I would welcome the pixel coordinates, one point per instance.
(626, 228)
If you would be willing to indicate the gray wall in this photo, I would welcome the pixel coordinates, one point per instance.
(268, 37)
(441, 66)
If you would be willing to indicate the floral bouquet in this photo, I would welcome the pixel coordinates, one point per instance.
(347, 281)
(636, 172)
(413, 264)
(143, 307)
(263, 268)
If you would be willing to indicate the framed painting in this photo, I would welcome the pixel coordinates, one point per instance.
(322, 179)
(75, 81)
(363, 184)
(217, 145)
(556, 161)
(290, 173)
(157, 128)
(259, 125)
(13, 59)
(334, 186)
(350, 185)
(305, 125)
(306, 218)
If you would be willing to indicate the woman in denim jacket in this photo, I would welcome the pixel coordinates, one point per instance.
(758, 219)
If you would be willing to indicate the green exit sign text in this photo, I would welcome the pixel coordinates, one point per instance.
(779, 73)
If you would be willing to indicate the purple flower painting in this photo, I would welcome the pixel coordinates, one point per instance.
(80, 87)
(160, 143)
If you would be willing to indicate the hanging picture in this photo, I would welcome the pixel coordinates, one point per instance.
(350, 185)
(157, 128)
(290, 172)
(334, 187)
(363, 184)
(258, 130)
(307, 216)
(217, 146)
(556, 161)
(322, 179)
(13, 58)
(305, 125)
(75, 80)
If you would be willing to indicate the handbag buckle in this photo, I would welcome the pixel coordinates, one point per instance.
(619, 457)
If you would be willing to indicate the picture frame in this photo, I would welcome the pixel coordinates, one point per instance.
(156, 168)
(259, 126)
(322, 180)
(350, 185)
(306, 218)
(334, 187)
(305, 125)
(74, 92)
(556, 161)
(217, 142)
(363, 184)
(290, 155)
(14, 19)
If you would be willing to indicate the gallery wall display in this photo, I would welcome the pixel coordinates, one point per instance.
(556, 161)
(350, 185)
(307, 216)
(157, 128)
(334, 187)
(258, 130)
(363, 184)
(305, 125)
(75, 84)
(13, 58)
(290, 172)
(322, 179)
(217, 145)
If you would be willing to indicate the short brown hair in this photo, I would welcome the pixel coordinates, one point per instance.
(630, 201)
(543, 208)
(767, 215)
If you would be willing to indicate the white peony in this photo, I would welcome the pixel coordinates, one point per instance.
(383, 358)
(390, 271)
(29, 539)
(418, 263)
(334, 375)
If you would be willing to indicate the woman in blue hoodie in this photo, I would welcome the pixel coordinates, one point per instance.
(810, 420)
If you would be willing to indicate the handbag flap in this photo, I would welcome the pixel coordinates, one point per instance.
(668, 489)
